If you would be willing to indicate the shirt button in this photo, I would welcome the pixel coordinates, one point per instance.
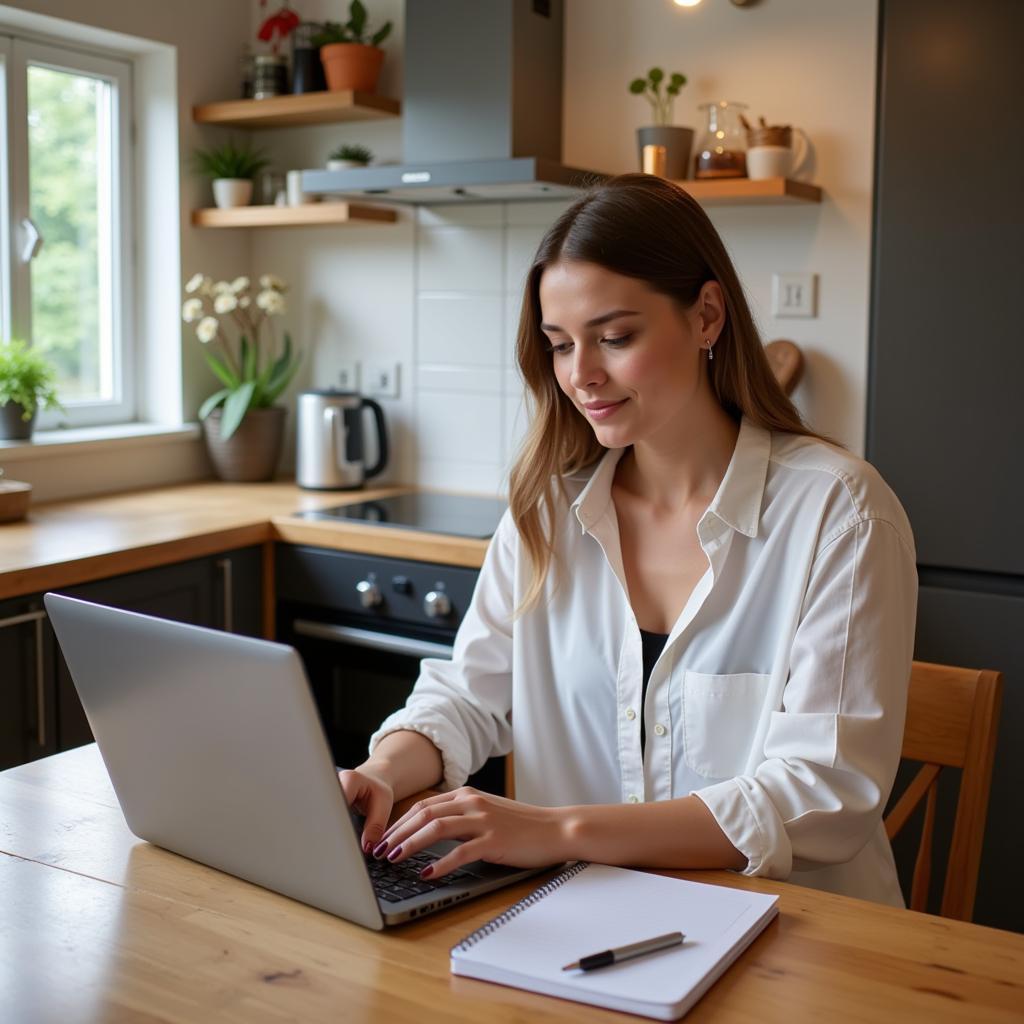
(660, 729)
(630, 714)
(633, 798)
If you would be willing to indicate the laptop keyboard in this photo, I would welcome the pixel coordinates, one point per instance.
(394, 882)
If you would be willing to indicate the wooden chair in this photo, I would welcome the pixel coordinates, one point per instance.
(952, 720)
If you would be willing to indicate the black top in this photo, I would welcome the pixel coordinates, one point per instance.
(653, 644)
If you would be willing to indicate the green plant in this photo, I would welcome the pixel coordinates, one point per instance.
(230, 161)
(357, 154)
(253, 368)
(650, 89)
(27, 378)
(353, 31)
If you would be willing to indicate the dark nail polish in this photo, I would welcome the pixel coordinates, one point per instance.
(395, 853)
(427, 871)
(380, 848)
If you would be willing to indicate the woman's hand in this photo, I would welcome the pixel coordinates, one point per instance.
(492, 828)
(372, 796)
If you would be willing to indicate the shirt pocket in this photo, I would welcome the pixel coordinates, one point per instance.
(720, 714)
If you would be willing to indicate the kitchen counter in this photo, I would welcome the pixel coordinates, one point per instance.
(65, 543)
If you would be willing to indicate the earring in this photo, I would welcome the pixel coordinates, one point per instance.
(711, 355)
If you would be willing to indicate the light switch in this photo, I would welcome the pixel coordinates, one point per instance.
(794, 294)
(348, 376)
(382, 380)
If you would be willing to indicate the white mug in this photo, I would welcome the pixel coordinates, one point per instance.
(296, 197)
(769, 161)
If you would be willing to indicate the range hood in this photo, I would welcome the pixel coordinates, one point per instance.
(482, 111)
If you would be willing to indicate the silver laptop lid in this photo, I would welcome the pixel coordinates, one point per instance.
(215, 751)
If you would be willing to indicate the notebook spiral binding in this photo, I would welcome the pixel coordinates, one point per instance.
(517, 908)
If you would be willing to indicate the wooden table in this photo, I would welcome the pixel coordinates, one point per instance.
(96, 925)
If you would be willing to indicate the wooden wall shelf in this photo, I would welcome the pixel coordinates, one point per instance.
(305, 108)
(743, 191)
(309, 215)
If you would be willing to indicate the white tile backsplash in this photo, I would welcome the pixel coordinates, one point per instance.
(460, 329)
(460, 259)
(470, 413)
(482, 380)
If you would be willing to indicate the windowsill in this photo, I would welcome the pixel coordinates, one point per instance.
(50, 443)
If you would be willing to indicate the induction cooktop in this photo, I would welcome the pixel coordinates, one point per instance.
(458, 514)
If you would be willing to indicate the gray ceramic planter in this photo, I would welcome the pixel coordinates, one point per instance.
(677, 142)
(252, 452)
(12, 426)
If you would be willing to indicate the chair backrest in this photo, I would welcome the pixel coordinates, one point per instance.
(952, 720)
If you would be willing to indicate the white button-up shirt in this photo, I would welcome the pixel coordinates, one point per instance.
(780, 695)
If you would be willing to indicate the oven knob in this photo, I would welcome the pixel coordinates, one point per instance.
(369, 594)
(437, 605)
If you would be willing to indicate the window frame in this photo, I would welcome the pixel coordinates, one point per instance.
(19, 53)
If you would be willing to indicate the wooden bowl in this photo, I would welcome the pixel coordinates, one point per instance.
(14, 500)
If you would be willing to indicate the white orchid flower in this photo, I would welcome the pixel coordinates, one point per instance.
(272, 281)
(244, 302)
(221, 287)
(225, 302)
(207, 329)
(239, 284)
(271, 302)
(195, 282)
(191, 310)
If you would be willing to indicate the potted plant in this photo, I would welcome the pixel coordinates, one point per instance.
(345, 157)
(351, 57)
(232, 169)
(242, 426)
(27, 382)
(661, 94)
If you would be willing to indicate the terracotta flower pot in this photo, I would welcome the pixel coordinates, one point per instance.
(351, 66)
(252, 452)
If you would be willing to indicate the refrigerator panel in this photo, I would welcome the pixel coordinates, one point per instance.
(945, 411)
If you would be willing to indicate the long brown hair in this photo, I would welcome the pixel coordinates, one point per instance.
(643, 227)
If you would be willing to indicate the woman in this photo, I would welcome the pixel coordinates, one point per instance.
(697, 618)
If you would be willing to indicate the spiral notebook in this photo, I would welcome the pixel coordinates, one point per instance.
(592, 907)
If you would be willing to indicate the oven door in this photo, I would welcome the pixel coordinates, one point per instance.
(359, 677)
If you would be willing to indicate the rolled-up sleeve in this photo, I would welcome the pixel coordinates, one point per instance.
(830, 754)
(464, 706)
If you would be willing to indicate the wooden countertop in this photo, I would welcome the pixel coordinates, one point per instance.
(70, 542)
(100, 926)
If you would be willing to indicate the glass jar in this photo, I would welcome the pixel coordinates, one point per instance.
(307, 71)
(270, 76)
(722, 146)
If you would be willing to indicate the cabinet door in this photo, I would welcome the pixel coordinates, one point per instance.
(222, 591)
(28, 712)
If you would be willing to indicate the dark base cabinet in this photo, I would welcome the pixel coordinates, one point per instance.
(219, 592)
(28, 712)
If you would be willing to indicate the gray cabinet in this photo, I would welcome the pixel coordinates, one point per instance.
(39, 709)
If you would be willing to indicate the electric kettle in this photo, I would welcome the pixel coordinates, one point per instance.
(330, 449)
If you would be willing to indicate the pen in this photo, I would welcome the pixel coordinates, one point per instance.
(635, 949)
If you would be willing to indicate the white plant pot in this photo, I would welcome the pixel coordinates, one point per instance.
(343, 165)
(229, 192)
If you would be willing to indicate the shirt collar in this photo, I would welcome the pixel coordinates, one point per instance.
(737, 502)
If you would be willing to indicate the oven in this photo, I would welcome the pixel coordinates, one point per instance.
(362, 624)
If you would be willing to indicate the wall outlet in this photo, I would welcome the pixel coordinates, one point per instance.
(382, 380)
(794, 294)
(348, 376)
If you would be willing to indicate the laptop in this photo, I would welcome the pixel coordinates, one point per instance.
(216, 752)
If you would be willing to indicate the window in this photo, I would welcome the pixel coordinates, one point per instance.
(65, 285)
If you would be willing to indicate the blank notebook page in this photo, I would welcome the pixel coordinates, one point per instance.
(595, 907)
